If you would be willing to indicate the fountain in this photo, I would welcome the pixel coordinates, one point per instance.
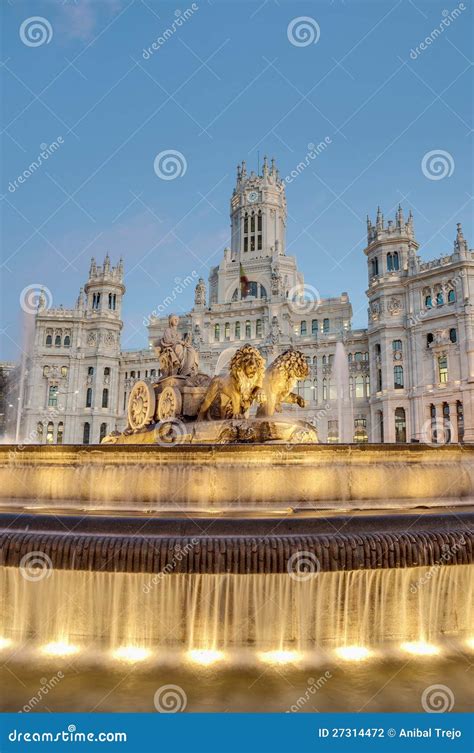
(216, 528)
(344, 400)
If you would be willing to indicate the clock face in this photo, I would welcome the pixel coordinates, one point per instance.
(253, 197)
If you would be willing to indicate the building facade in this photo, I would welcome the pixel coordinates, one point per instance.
(408, 377)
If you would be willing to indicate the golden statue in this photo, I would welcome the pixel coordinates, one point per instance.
(280, 378)
(235, 392)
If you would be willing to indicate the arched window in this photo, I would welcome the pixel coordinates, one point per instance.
(248, 329)
(443, 369)
(263, 292)
(325, 389)
(90, 371)
(302, 328)
(439, 298)
(258, 328)
(132, 375)
(57, 341)
(314, 327)
(107, 371)
(49, 340)
(398, 377)
(325, 360)
(86, 433)
(60, 434)
(350, 357)
(453, 335)
(227, 330)
(252, 289)
(89, 397)
(152, 373)
(375, 267)
(396, 344)
(53, 395)
(112, 301)
(367, 385)
(64, 371)
(105, 398)
(331, 359)
(67, 341)
(429, 339)
(237, 330)
(392, 262)
(428, 301)
(50, 433)
(217, 332)
(96, 301)
(451, 296)
(46, 370)
(39, 432)
(358, 356)
(103, 432)
(400, 425)
(326, 326)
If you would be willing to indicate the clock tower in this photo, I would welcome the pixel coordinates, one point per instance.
(258, 214)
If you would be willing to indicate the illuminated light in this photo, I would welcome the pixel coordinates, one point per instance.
(420, 648)
(205, 656)
(469, 643)
(353, 653)
(279, 657)
(4, 643)
(131, 653)
(60, 648)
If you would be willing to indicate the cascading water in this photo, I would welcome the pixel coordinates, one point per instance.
(103, 612)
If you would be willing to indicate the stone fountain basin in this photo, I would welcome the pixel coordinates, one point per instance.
(224, 478)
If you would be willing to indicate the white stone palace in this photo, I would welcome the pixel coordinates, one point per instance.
(411, 373)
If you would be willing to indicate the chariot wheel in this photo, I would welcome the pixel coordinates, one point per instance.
(141, 405)
(170, 402)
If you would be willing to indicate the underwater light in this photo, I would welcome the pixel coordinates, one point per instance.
(4, 643)
(353, 653)
(60, 648)
(279, 657)
(131, 653)
(420, 648)
(205, 656)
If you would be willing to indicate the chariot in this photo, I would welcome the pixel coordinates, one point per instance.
(169, 397)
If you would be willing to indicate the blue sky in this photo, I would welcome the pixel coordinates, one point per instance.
(226, 85)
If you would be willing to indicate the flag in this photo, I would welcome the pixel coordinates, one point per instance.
(244, 283)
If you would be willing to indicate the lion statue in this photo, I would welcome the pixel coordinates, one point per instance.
(280, 378)
(235, 392)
